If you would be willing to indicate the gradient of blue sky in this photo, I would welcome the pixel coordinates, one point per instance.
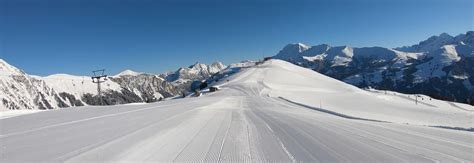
(75, 36)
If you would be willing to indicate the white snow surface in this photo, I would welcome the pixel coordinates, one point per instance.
(311, 88)
(272, 112)
(442, 57)
(128, 72)
(77, 85)
(13, 113)
(19, 90)
(7, 69)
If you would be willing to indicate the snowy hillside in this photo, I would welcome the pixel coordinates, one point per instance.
(309, 88)
(264, 112)
(23, 91)
(20, 91)
(440, 66)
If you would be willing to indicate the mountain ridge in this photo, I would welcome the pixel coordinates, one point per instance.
(440, 66)
(24, 91)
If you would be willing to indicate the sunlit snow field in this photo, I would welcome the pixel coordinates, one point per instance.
(272, 112)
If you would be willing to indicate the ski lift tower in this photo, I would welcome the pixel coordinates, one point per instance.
(97, 78)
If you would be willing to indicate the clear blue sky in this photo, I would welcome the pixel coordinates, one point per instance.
(76, 36)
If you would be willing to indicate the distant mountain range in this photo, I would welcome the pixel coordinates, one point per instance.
(441, 66)
(22, 91)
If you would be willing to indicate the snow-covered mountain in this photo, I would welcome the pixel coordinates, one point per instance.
(183, 77)
(271, 111)
(303, 87)
(440, 66)
(128, 73)
(23, 91)
(435, 42)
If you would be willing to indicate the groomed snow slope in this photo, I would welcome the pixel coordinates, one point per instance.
(307, 87)
(245, 121)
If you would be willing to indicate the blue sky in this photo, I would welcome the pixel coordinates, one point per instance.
(45, 37)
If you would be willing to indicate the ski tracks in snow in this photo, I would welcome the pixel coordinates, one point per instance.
(240, 123)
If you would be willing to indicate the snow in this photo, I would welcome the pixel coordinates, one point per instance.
(77, 85)
(303, 46)
(341, 61)
(128, 73)
(406, 55)
(314, 58)
(340, 56)
(23, 91)
(431, 44)
(450, 55)
(461, 77)
(198, 71)
(430, 59)
(309, 87)
(440, 58)
(316, 50)
(246, 63)
(216, 67)
(18, 89)
(264, 113)
(7, 69)
(292, 51)
(13, 113)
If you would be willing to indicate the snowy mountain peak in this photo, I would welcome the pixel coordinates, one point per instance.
(23, 91)
(213, 68)
(436, 42)
(7, 69)
(193, 65)
(300, 47)
(216, 67)
(445, 36)
(303, 46)
(291, 50)
(442, 60)
(217, 64)
(433, 43)
(198, 71)
(128, 72)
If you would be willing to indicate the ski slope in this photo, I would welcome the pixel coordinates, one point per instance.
(306, 87)
(268, 112)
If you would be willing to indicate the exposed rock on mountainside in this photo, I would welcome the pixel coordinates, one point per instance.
(440, 66)
(22, 91)
(183, 77)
